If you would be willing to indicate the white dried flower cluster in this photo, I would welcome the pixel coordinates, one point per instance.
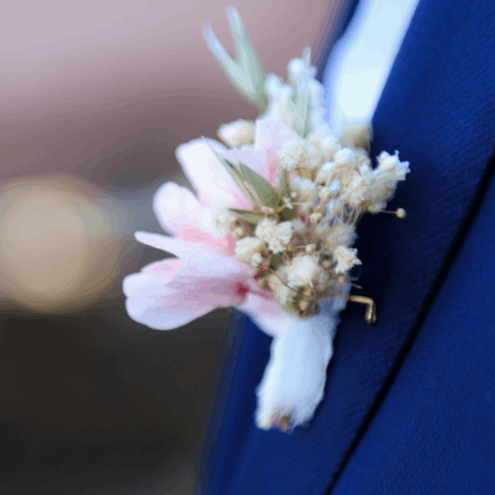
(276, 235)
(237, 133)
(299, 102)
(293, 155)
(250, 250)
(346, 258)
(305, 155)
(303, 270)
(302, 246)
(224, 222)
(300, 230)
(278, 284)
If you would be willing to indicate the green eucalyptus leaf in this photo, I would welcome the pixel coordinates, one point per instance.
(263, 189)
(232, 69)
(246, 72)
(250, 216)
(287, 214)
(285, 184)
(277, 261)
(301, 98)
(248, 59)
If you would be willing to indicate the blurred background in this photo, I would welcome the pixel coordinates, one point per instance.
(94, 98)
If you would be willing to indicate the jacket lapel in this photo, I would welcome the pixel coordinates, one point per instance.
(438, 110)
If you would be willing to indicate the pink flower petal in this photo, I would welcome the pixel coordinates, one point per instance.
(172, 292)
(178, 210)
(170, 266)
(272, 162)
(216, 266)
(213, 183)
(153, 278)
(164, 305)
(198, 254)
(216, 291)
(254, 159)
(147, 284)
(269, 139)
(272, 134)
(182, 249)
(167, 312)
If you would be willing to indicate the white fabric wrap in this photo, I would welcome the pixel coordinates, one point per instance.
(293, 383)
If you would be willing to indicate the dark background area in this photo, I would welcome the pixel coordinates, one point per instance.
(91, 404)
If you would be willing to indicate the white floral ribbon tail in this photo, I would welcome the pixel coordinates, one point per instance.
(293, 383)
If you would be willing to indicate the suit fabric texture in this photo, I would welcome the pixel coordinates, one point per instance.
(409, 405)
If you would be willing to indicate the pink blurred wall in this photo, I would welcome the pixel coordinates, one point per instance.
(86, 84)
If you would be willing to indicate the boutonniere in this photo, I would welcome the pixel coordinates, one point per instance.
(270, 229)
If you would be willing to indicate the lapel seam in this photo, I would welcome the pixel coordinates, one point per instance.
(344, 13)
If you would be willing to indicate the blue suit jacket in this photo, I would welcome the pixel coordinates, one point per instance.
(409, 406)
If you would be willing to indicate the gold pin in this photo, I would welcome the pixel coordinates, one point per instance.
(370, 314)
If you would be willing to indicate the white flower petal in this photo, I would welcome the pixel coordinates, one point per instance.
(182, 249)
(213, 265)
(165, 313)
